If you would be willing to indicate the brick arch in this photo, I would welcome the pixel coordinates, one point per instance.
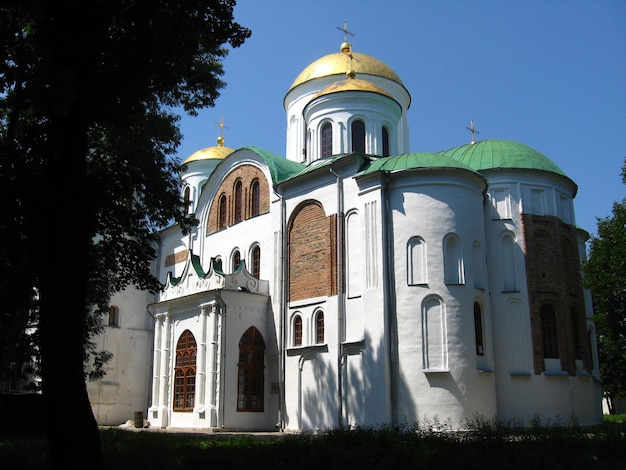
(312, 255)
(246, 174)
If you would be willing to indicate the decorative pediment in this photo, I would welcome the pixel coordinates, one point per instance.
(194, 279)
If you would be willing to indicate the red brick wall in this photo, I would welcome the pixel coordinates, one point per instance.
(312, 253)
(553, 276)
(247, 174)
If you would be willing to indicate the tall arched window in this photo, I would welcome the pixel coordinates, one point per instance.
(114, 316)
(416, 261)
(385, 142)
(255, 258)
(236, 260)
(358, 136)
(185, 372)
(478, 329)
(453, 260)
(326, 143)
(238, 201)
(255, 198)
(319, 327)
(548, 332)
(297, 330)
(221, 216)
(251, 383)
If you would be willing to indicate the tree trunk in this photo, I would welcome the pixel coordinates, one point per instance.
(64, 237)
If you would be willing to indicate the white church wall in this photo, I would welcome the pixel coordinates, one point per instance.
(438, 372)
(311, 374)
(125, 388)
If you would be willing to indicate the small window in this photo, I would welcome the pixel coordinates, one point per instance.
(358, 136)
(114, 316)
(238, 201)
(478, 329)
(256, 261)
(236, 260)
(221, 216)
(385, 142)
(297, 331)
(548, 332)
(327, 140)
(319, 328)
(255, 198)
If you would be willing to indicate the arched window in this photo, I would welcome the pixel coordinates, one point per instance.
(297, 330)
(385, 142)
(255, 198)
(238, 201)
(114, 316)
(548, 332)
(251, 381)
(187, 199)
(478, 329)
(453, 260)
(358, 136)
(327, 140)
(236, 260)
(319, 327)
(221, 216)
(185, 372)
(507, 261)
(255, 258)
(416, 261)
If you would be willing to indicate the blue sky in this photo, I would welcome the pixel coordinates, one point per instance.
(550, 74)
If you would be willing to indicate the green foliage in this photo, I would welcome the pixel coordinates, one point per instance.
(88, 173)
(605, 275)
(486, 444)
(88, 140)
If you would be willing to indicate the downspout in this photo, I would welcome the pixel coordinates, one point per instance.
(282, 319)
(390, 300)
(222, 311)
(340, 298)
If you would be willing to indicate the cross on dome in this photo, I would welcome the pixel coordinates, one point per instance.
(220, 139)
(346, 48)
(473, 130)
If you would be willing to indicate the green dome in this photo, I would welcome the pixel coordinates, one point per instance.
(492, 154)
(411, 161)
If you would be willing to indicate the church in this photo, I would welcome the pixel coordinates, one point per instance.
(353, 282)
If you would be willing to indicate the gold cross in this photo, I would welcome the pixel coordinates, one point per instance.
(473, 130)
(220, 139)
(345, 31)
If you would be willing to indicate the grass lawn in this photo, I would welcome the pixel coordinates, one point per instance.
(487, 445)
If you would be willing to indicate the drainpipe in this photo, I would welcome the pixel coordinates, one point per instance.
(390, 300)
(282, 300)
(221, 309)
(340, 297)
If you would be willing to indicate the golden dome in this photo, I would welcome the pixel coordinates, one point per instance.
(338, 63)
(352, 84)
(218, 152)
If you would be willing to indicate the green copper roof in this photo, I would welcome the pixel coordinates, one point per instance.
(408, 161)
(280, 168)
(493, 153)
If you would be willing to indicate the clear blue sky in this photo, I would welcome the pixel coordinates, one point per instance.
(548, 73)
